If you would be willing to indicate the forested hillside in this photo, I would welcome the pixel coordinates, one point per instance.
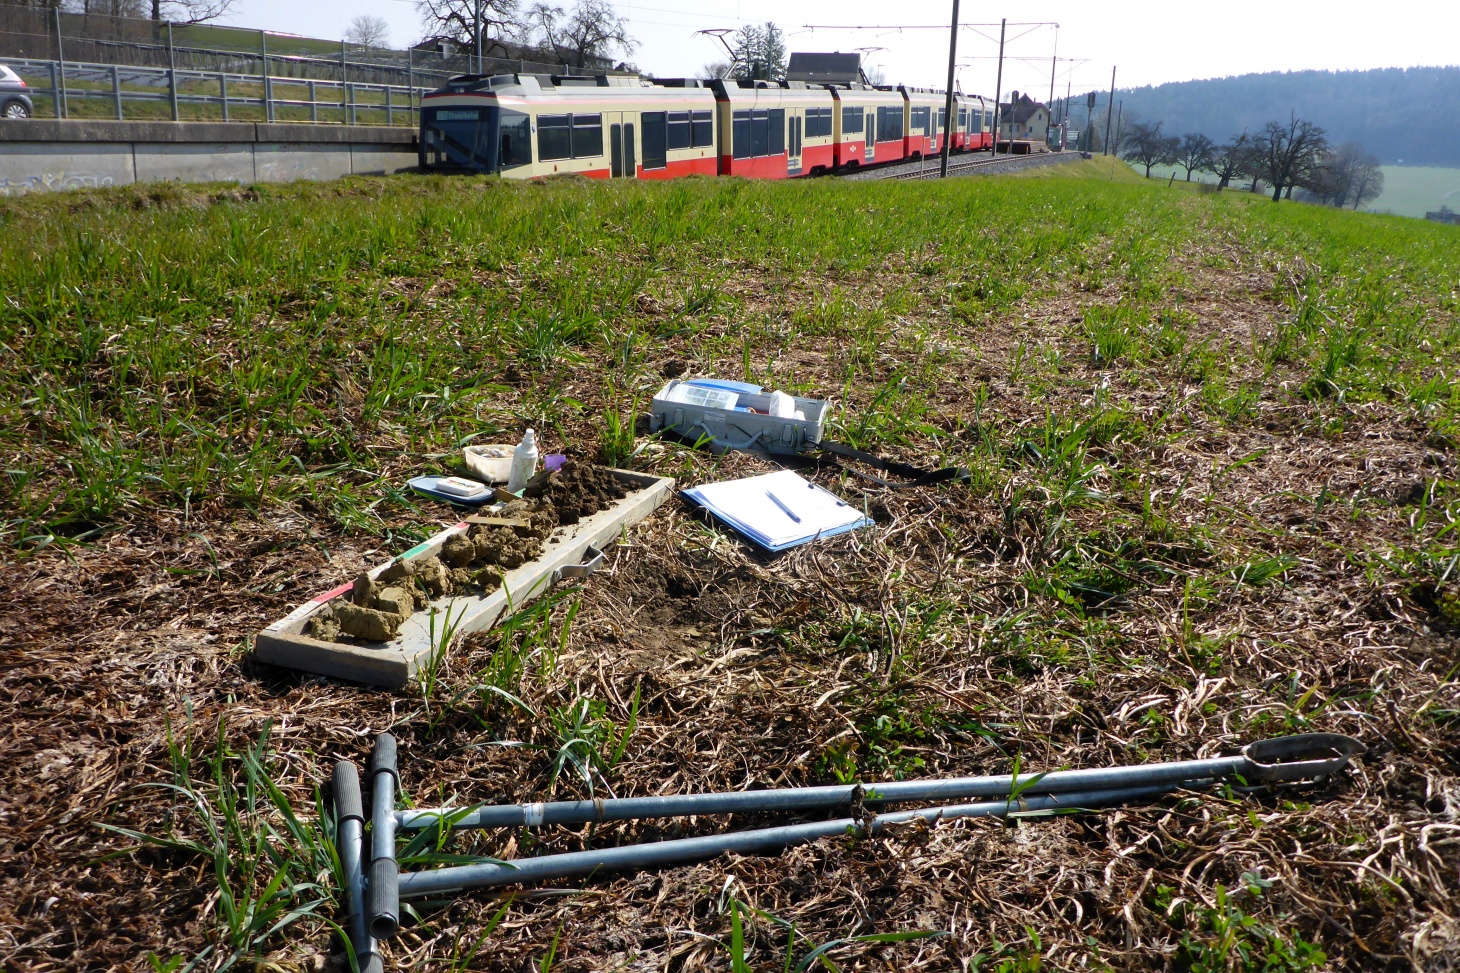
(1398, 114)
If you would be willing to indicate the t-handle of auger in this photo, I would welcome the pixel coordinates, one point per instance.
(384, 885)
(350, 840)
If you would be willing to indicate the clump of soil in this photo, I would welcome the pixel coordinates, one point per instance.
(471, 562)
(576, 491)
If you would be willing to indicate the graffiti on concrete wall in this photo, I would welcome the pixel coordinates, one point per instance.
(49, 181)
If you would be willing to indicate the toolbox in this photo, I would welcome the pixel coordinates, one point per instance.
(745, 425)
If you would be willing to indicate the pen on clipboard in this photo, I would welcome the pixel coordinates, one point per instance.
(785, 509)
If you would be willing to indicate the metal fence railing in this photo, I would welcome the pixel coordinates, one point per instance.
(97, 65)
(71, 89)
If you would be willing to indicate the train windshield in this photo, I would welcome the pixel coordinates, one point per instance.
(486, 139)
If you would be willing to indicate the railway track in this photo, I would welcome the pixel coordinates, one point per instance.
(928, 168)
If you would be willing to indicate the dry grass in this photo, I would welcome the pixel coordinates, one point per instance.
(1178, 540)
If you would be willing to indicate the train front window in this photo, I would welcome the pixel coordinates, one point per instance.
(479, 139)
(450, 138)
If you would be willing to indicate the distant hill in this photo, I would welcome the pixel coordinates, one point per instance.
(1409, 114)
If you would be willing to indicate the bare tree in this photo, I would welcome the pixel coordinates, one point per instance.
(457, 20)
(1344, 174)
(1289, 154)
(715, 69)
(369, 31)
(1229, 161)
(189, 11)
(589, 35)
(1368, 183)
(1145, 145)
(1195, 153)
(114, 8)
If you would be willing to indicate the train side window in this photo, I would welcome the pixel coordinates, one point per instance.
(777, 132)
(654, 134)
(587, 136)
(852, 121)
(702, 124)
(820, 127)
(760, 132)
(740, 131)
(889, 123)
(554, 138)
(679, 130)
(516, 139)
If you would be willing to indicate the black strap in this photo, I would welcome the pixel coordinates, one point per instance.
(916, 477)
(919, 477)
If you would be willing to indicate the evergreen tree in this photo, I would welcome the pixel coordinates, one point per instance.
(760, 52)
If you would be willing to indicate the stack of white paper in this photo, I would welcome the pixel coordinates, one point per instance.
(778, 510)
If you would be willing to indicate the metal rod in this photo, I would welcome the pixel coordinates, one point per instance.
(1053, 60)
(1109, 111)
(759, 841)
(1301, 757)
(384, 900)
(268, 84)
(999, 90)
(349, 828)
(171, 73)
(949, 119)
(117, 91)
(60, 86)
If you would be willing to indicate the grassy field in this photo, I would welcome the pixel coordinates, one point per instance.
(1215, 455)
(1408, 190)
(1416, 190)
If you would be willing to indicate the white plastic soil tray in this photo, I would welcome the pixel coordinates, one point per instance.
(569, 551)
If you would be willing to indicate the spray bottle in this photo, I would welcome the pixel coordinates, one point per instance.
(524, 462)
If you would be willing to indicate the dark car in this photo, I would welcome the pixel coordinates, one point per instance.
(14, 96)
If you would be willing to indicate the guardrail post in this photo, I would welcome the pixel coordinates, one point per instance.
(171, 73)
(313, 102)
(345, 107)
(350, 100)
(223, 93)
(117, 91)
(268, 84)
(389, 112)
(58, 81)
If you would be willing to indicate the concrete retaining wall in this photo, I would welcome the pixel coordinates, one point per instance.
(44, 154)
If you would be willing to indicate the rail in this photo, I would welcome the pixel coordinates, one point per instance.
(927, 168)
(264, 95)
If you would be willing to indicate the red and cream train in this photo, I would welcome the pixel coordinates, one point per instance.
(529, 126)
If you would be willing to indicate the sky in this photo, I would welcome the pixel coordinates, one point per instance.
(1147, 43)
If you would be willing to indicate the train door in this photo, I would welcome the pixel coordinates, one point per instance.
(793, 146)
(623, 156)
(871, 136)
